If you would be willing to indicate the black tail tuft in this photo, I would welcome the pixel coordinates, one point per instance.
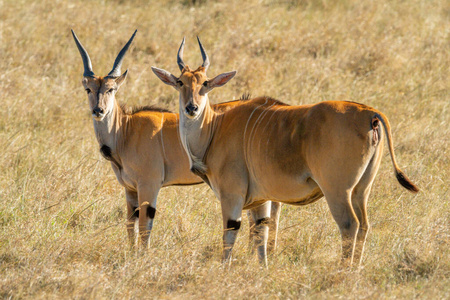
(406, 183)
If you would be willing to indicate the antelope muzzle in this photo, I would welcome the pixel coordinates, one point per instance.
(98, 113)
(191, 109)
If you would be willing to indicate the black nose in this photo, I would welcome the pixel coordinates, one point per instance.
(191, 108)
(97, 111)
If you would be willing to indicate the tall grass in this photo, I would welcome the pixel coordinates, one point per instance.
(62, 229)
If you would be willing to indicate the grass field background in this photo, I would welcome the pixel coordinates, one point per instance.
(62, 228)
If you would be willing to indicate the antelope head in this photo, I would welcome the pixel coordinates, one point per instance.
(101, 90)
(193, 85)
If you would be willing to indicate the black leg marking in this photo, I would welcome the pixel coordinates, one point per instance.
(233, 225)
(151, 212)
(264, 221)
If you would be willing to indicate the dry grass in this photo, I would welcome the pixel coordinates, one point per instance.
(62, 232)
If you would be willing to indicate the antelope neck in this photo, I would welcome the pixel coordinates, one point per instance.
(196, 136)
(107, 130)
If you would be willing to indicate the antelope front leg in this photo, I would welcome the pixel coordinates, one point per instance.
(261, 215)
(147, 211)
(231, 214)
(132, 215)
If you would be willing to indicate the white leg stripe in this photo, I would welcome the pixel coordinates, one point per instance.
(267, 144)
(162, 139)
(248, 121)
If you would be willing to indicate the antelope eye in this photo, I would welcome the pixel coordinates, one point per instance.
(109, 91)
(205, 83)
(179, 82)
(88, 91)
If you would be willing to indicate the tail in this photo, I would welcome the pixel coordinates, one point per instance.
(401, 177)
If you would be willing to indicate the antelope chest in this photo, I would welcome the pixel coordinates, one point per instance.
(124, 179)
(122, 176)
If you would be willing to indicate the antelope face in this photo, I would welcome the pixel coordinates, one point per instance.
(101, 94)
(102, 90)
(193, 86)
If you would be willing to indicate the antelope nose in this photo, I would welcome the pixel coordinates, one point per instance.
(191, 109)
(97, 111)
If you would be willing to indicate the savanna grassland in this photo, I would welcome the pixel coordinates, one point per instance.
(62, 211)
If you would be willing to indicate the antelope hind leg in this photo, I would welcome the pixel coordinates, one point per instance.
(261, 215)
(342, 211)
(360, 196)
(251, 232)
(275, 212)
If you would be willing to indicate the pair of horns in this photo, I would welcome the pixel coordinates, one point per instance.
(180, 61)
(115, 72)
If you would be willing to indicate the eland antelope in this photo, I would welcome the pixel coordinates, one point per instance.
(142, 144)
(265, 149)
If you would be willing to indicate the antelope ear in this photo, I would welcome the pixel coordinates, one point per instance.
(121, 79)
(221, 79)
(165, 76)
